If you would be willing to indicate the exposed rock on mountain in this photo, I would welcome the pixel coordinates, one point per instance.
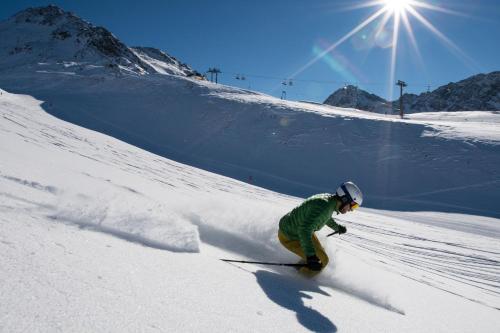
(353, 97)
(49, 39)
(477, 93)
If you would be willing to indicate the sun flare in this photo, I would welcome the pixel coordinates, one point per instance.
(397, 6)
(388, 18)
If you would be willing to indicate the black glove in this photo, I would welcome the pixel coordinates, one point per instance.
(341, 229)
(313, 263)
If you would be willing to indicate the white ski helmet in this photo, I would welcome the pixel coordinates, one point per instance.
(348, 192)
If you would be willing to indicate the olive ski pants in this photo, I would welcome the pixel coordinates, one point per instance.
(293, 245)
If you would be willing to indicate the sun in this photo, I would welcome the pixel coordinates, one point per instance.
(397, 6)
(396, 13)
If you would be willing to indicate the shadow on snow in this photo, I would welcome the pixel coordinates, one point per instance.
(290, 294)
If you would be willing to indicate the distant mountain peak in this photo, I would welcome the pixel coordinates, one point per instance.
(480, 92)
(48, 15)
(51, 37)
(353, 97)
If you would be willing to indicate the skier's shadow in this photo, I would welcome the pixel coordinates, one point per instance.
(289, 294)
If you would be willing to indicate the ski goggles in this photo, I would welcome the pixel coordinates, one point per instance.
(354, 205)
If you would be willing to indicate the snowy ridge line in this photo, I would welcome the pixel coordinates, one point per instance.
(456, 125)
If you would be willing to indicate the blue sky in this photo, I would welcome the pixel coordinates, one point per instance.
(269, 41)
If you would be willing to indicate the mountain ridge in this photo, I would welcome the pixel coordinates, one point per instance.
(51, 39)
(480, 92)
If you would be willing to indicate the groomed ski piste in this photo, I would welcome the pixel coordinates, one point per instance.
(101, 236)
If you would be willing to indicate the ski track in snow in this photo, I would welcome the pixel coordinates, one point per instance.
(95, 182)
(461, 263)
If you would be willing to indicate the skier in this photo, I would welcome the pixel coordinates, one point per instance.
(296, 229)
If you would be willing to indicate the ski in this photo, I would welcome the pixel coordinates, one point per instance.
(264, 263)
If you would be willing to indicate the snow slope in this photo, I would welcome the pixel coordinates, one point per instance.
(439, 162)
(98, 235)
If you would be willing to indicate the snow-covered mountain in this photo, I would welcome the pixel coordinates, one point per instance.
(100, 236)
(49, 39)
(477, 93)
(353, 97)
(164, 63)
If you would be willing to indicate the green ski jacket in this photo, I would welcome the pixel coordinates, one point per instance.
(308, 217)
